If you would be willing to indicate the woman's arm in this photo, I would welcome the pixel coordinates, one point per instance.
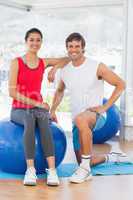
(56, 64)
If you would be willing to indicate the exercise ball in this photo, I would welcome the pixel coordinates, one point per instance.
(106, 127)
(100, 121)
(12, 157)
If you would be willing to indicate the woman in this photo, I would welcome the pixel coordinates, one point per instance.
(28, 108)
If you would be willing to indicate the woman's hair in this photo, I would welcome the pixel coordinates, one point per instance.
(33, 30)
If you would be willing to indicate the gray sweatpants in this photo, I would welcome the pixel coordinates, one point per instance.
(30, 118)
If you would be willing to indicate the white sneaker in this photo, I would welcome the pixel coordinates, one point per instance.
(52, 177)
(118, 157)
(30, 177)
(80, 175)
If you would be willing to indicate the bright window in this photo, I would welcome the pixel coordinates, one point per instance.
(102, 28)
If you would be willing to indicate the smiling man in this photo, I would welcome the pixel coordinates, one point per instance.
(84, 78)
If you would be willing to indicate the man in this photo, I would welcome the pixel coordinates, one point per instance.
(83, 77)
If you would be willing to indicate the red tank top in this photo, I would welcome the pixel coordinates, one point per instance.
(29, 83)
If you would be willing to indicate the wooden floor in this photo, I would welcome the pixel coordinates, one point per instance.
(119, 187)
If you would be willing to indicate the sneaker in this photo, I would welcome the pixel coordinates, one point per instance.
(81, 175)
(118, 157)
(52, 177)
(30, 177)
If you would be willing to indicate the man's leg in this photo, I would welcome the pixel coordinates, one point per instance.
(84, 122)
(95, 159)
(116, 157)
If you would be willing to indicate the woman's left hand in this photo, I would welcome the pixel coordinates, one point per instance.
(46, 106)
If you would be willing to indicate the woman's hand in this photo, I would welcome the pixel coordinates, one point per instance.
(45, 106)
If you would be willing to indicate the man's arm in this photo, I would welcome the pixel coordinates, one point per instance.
(113, 79)
(59, 93)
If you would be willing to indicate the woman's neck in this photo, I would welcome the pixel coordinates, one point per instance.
(31, 59)
(31, 56)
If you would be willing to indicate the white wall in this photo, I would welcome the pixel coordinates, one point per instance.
(127, 100)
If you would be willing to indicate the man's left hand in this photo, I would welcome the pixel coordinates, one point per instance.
(98, 109)
(51, 74)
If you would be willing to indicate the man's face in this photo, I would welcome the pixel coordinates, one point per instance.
(75, 50)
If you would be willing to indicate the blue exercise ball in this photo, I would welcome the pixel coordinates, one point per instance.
(110, 127)
(12, 157)
(106, 127)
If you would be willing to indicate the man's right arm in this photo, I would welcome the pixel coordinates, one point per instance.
(59, 93)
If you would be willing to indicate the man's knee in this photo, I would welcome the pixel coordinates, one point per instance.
(80, 120)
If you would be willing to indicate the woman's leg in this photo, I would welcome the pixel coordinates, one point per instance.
(26, 118)
(47, 144)
(45, 135)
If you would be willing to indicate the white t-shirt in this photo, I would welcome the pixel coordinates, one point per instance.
(84, 88)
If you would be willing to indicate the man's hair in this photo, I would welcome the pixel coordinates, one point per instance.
(76, 37)
(33, 30)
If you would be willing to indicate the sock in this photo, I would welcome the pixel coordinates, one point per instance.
(85, 161)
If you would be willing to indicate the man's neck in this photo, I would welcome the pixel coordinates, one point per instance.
(78, 62)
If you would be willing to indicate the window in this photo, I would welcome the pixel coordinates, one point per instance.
(102, 28)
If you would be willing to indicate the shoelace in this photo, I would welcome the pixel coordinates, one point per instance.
(81, 169)
(117, 154)
(31, 173)
(51, 171)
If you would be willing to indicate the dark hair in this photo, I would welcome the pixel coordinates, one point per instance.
(76, 37)
(33, 30)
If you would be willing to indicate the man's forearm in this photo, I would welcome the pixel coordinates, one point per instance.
(115, 95)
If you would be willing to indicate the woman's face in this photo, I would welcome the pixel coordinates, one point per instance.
(34, 42)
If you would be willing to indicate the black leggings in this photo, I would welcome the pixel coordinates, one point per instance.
(30, 118)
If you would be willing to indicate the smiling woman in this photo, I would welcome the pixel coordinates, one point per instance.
(28, 106)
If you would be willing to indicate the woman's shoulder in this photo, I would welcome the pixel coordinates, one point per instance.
(15, 62)
(17, 58)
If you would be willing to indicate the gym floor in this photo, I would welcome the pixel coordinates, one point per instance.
(119, 187)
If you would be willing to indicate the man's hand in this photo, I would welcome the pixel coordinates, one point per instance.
(51, 74)
(53, 116)
(98, 109)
